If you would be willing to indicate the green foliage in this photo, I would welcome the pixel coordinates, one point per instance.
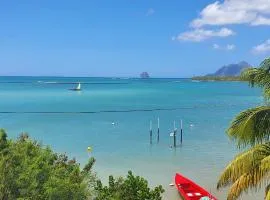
(30, 171)
(266, 64)
(267, 192)
(248, 170)
(218, 78)
(251, 169)
(251, 126)
(129, 188)
(259, 77)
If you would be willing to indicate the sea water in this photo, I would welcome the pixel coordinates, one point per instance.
(112, 115)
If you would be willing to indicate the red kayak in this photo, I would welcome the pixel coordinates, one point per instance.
(190, 190)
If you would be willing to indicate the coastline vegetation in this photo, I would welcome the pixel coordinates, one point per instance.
(250, 130)
(218, 78)
(128, 188)
(28, 170)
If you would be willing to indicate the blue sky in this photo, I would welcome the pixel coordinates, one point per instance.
(177, 38)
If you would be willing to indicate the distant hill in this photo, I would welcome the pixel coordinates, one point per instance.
(226, 73)
(231, 70)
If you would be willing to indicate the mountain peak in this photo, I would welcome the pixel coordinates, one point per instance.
(231, 69)
(244, 63)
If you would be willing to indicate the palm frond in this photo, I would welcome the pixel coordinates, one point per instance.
(265, 64)
(265, 165)
(249, 75)
(251, 169)
(259, 77)
(240, 185)
(251, 127)
(267, 192)
(256, 158)
(254, 180)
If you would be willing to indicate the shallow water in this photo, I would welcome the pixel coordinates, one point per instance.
(112, 116)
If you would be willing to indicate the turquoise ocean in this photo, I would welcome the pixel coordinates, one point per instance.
(112, 115)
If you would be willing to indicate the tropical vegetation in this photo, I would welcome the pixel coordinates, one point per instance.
(217, 78)
(129, 188)
(29, 170)
(251, 131)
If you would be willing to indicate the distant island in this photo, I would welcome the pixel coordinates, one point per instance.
(226, 73)
(144, 75)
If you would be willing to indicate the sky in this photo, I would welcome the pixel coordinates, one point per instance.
(120, 38)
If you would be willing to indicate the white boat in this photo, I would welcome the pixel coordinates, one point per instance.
(78, 88)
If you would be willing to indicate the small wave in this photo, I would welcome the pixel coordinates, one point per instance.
(50, 82)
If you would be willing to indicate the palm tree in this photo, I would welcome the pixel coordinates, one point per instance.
(259, 77)
(251, 128)
(249, 169)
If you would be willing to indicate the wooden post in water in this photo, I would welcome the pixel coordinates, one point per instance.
(181, 131)
(151, 132)
(158, 129)
(174, 134)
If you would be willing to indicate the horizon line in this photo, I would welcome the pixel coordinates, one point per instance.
(63, 76)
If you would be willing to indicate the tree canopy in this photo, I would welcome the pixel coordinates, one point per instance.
(129, 188)
(30, 171)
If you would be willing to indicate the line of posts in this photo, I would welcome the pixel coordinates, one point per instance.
(173, 134)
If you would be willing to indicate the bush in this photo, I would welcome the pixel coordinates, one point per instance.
(129, 188)
(30, 171)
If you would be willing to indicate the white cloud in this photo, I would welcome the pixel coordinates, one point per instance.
(150, 12)
(230, 47)
(198, 35)
(253, 12)
(216, 46)
(262, 48)
(227, 12)
(261, 21)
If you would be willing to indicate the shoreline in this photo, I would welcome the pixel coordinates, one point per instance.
(218, 78)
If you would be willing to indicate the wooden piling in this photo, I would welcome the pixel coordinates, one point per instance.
(151, 132)
(181, 131)
(174, 134)
(158, 131)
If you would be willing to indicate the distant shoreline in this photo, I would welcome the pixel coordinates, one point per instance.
(195, 78)
(217, 78)
(109, 77)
